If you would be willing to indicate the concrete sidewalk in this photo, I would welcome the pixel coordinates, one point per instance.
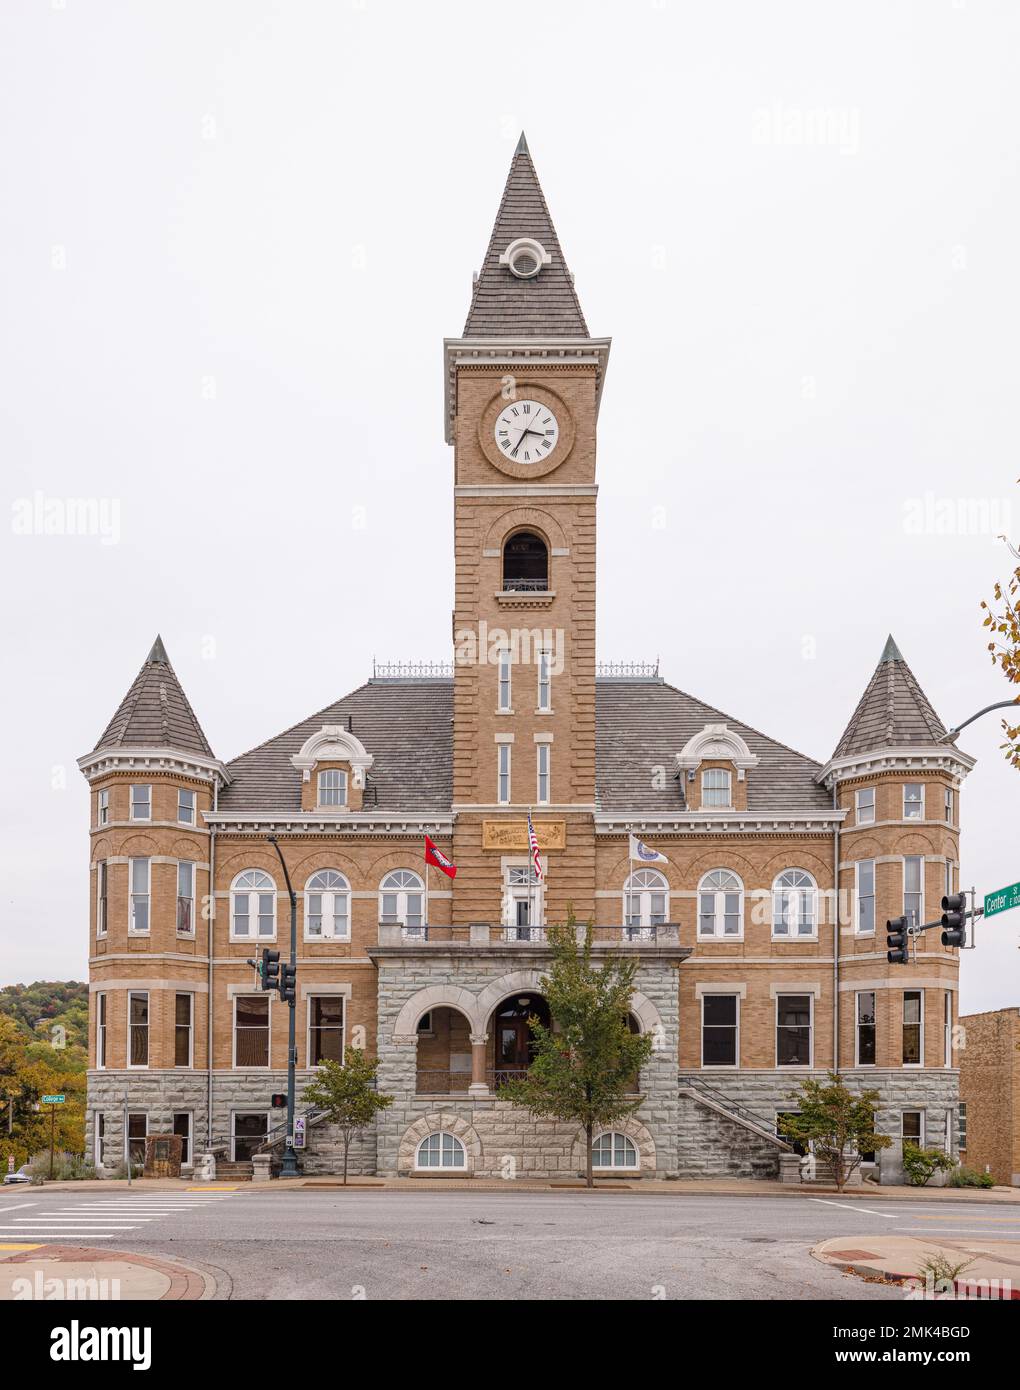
(987, 1269)
(61, 1273)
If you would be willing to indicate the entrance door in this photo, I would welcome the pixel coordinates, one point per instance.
(512, 1035)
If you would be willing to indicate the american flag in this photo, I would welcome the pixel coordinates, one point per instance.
(533, 847)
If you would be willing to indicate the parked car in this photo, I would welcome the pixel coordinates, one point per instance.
(22, 1175)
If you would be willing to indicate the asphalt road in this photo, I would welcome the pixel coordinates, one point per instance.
(312, 1243)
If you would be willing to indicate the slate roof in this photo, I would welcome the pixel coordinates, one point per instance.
(893, 711)
(155, 712)
(407, 727)
(502, 304)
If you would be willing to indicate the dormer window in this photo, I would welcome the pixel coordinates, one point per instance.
(525, 257)
(333, 787)
(715, 788)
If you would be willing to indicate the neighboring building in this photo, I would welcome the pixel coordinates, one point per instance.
(990, 1094)
(743, 975)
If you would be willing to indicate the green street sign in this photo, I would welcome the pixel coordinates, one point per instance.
(53, 1100)
(1003, 900)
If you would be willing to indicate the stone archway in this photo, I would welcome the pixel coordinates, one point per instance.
(434, 997)
(519, 981)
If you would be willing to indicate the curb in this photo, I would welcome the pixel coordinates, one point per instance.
(870, 1274)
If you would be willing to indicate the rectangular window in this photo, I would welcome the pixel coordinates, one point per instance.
(947, 1026)
(865, 805)
(141, 803)
(103, 808)
(913, 1027)
(333, 787)
(182, 1126)
(139, 870)
(184, 1009)
(102, 890)
(913, 888)
(950, 877)
(912, 1127)
(543, 752)
(138, 1029)
(100, 1031)
(793, 1030)
(251, 1030)
(715, 787)
(185, 897)
(248, 1134)
(864, 871)
(325, 1029)
(100, 1141)
(719, 1019)
(544, 683)
(503, 789)
(186, 806)
(503, 681)
(961, 1125)
(138, 1129)
(866, 1028)
(949, 803)
(913, 801)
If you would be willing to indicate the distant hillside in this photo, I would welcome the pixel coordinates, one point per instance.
(35, 1008)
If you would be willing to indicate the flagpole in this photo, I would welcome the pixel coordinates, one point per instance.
(531, 876)
(426, 896)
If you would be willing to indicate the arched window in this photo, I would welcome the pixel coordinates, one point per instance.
(525, 562)
(327, 906)
(794, 904)
(252, 905)
(721, 904)
(715, 788)
(401, 899)
(645, 896)
(333, 787)
(614, 1150)
(440, 1150)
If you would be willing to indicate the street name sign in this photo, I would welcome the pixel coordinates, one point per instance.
(1003, 900)
(53, 1100)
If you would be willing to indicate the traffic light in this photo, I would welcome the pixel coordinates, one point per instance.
(288, 980)
(954, 919)
(269, 971)
(278, 1100)
(897, 940)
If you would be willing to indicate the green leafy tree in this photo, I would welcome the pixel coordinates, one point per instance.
(1002, 616)
(583, 1066)
(921, 1164)
(839, 1125)
(346, 1093)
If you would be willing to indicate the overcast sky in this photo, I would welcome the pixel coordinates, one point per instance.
(233, 236)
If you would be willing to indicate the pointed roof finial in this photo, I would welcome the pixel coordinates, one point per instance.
(890, 652)
(158, 653)
(522, 146)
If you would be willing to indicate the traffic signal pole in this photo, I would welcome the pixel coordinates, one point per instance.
(290, 1167)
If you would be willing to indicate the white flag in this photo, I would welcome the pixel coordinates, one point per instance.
(639, 850)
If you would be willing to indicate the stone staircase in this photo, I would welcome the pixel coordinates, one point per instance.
(721, 1139)
(227, 1171)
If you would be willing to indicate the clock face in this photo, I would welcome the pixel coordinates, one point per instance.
(526, 431)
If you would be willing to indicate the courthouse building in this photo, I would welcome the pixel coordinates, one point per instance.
(758, 936)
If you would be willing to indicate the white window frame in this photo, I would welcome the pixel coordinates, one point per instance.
(102, 1035)
(442, 1135)
(139, 1066)
(725, 785)
(795, 994)
(951, 875)
(612, 1166)
(328, 895)
(252, 994)
(947, 1027)
(919, 858)
(331, 784)
(183, 806)
(140, 786)
(189, 1065)
(411, 884)
(858, 996)
(146, 896)
(961, 1125)
(504, 682)
(187, 898)
(644, 885)
(103, 807)
(912, 1066)
(252, 891)
(543, 772)
(544, 690)
(858, 896)
(862, 807)
(102, 897)
(310, 1000)
(808, 890)
(503, 783)
(719, 914)
(949, 804)
(520, 885)
(240, 1110)
(99, 1139)
(190, 1116)
(721, 1066)
(909, 801)
(127, 1132)
(920, 1141)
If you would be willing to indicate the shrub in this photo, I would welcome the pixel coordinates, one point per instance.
(919, 1164)
(970, 1177)
(67, 1167)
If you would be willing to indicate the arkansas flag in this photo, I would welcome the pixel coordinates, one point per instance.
(438, 859)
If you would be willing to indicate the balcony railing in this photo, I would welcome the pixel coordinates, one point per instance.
(525, 586)
(393, 932)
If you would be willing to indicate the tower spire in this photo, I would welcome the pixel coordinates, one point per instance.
(155, 713)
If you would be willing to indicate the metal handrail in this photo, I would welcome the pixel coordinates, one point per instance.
(278, 1133)
(724, 1103)
(525, 586)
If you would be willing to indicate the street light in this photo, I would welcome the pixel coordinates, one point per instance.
(290, 1167)
(953, 734)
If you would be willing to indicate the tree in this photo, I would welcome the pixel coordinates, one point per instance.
(583, 1067)
(839, 1125)
(346, 1093)
(920, 1165)
(1004, 621)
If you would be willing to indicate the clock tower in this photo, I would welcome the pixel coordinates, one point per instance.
(523, 385)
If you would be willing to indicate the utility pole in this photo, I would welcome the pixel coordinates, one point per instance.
(288, 993)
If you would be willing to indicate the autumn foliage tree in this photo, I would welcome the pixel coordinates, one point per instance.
(1002, 618)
